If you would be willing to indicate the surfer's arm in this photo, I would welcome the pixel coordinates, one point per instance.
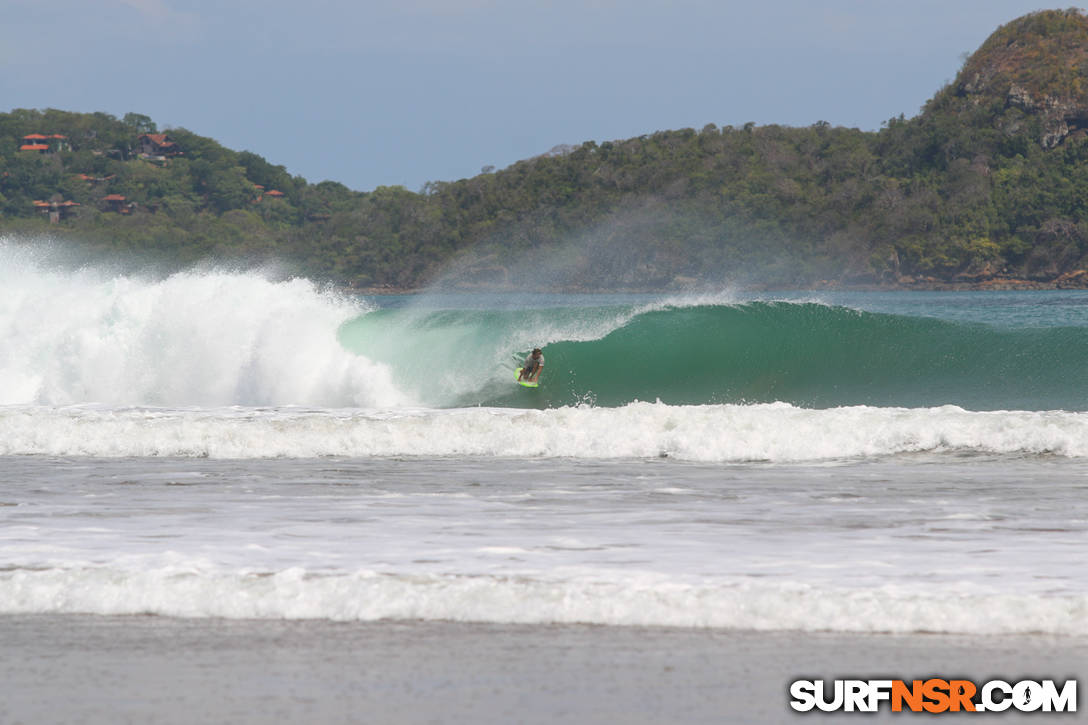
(536, 373)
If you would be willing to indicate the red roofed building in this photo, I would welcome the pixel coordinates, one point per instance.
(157, 145)
(116, 202)
(35, 142)
(56, 210)
(45, 144)
(271, 194)
(93, 180)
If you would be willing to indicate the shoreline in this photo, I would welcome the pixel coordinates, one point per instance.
(160, 670)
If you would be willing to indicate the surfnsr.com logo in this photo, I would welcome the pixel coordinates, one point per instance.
(933, 695)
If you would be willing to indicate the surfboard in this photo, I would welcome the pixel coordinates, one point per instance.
(525, 383)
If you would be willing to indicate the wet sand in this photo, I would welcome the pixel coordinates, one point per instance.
(93, 669)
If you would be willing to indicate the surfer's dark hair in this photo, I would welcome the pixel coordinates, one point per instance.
(536, 350)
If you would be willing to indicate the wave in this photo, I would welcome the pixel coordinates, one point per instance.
(817, 355)
(705, 352)
(634, 600)
(776, 432)
(208, 338)
(215, 338)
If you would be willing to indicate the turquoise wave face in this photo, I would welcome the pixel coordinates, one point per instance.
(807, 354)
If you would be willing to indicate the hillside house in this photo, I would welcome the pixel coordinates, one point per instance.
(56, 210)
(117, 203)
(157, 146)
(43, 144)
(94, 180)
(35, 142)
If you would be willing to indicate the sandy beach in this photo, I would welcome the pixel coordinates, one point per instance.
(93, 669)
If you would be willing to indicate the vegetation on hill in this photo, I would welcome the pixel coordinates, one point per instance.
(987, 183)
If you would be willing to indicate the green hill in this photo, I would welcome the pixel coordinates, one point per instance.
(986, 186)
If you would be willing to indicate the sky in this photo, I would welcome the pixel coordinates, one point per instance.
(401, 92)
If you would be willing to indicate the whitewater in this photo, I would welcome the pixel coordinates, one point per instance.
(238, 444)
(774, 432)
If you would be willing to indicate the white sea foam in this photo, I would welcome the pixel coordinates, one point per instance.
(775, 432)
(622, 601)
(199, 338)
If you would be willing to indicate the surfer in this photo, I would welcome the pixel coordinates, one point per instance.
(530, 369)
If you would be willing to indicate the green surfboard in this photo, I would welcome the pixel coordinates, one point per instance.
(525, 383)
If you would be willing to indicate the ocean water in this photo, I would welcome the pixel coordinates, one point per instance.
(219, 444)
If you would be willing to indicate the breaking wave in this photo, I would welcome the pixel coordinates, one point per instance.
(650, 600)
(200, 338)
(776, 432)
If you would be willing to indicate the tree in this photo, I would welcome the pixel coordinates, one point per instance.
(139, 123)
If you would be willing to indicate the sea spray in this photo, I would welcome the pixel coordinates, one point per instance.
(199, 338)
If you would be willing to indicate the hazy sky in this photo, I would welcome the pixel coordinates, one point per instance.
(372, 92)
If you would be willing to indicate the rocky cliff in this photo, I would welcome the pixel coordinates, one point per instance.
(1038, 65)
